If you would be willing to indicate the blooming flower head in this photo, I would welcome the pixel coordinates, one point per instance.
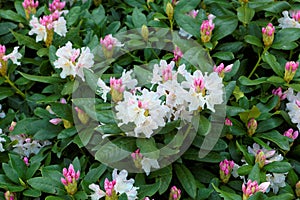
(46, 26)
(108, 44)
(293, 106)
(276, 180)
(264, 156)
(30, 7)
(206, 28)
(287, 22)
(145, 111)
(117, 86)
(268, 34)
(70, 179)
(221, 69)
(252, 187)
(175, 193)
(204, 90)
(226, 167)
(13, 56)
(290, 70)
(72, 61)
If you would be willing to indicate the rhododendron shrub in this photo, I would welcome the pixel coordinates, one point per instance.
(164, 99)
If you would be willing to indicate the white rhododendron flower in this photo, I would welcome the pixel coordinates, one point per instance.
(204, 90)
(146, 111)
(287, 22)
(72, 61)
(276, 180)
(38, 29)
(98, 193)
(293, 107)
(1, 140)
(148, 163)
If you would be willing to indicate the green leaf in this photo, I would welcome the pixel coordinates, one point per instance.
(138, 18)
(54, 198)
(32, 193)
(42, 79)
(285, 196)
(73, 15)
(244, 170)
(148, 147)
(33, 167)
(45, 185)
(66, 133)
(10, 173)
(204, 126)
(248, 158)
(11, 15)
(143, 75)
(255, 173)
(224, 26)
(274, 136)
(227, 195)
(18, 165)
(148, 190)
(63, 111)
(278, 167)
(5, 27)
(69, 87)
(164, 176)
(248, 82)
(27, 41)
(5, 92)
(94, 174)
(245, 14)
(249, 114)
(251, 39)
(186, 179)
(269, 124)
(271, 60)
(223, 55)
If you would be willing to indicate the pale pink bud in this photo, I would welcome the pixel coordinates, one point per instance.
(26, 161)
(198, 84)
(167, 73)
(291, 66)
(194, 13)
(28, 140)
(65, 172)
(63, 181)
(2, 50)
(278, 92)
(291, 134)
(63, 101)
(206, 28)
(297, 103)
(55, 121)
(12, 126)
(175, 193)
(296, 15)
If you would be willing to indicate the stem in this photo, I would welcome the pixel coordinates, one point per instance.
(7, 80)
(258, 62)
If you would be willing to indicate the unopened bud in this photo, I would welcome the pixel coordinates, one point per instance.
(145, 32)
(251, 126)
(297, 190)
(170, 11)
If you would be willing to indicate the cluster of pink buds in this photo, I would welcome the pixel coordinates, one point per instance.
(278, 92)
(175, 193)
(228, 122)
(290, 70)
(48, 20)
(206, 29)
(56, 5)
(108, 45)
(70, 179)
(137, 158)
(226, 167)
(116, 89)
(268, 34)
(30, 7)
(252, 187)
(291, 134)
(296, 15)
(221, 69)
(109, 187)
(251, 126)
(177, 54)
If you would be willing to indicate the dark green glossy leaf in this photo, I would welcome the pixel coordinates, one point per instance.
(186, 179)
(245, 14)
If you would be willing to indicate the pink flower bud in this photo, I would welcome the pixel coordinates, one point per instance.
(296, 15)
(175, 193)
(291, 134)
(206, 28)
(177, 54)
(194, 13)
(55, 121)
(12, 126)
(228, 122)
(251, 126)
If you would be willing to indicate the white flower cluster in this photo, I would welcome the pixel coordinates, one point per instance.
(72, 61)
(26, 146)
(146, 109)
(287, 22)
(293, 107)
(120, 185)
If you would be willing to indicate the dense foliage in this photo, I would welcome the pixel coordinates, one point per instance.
(157, 99)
